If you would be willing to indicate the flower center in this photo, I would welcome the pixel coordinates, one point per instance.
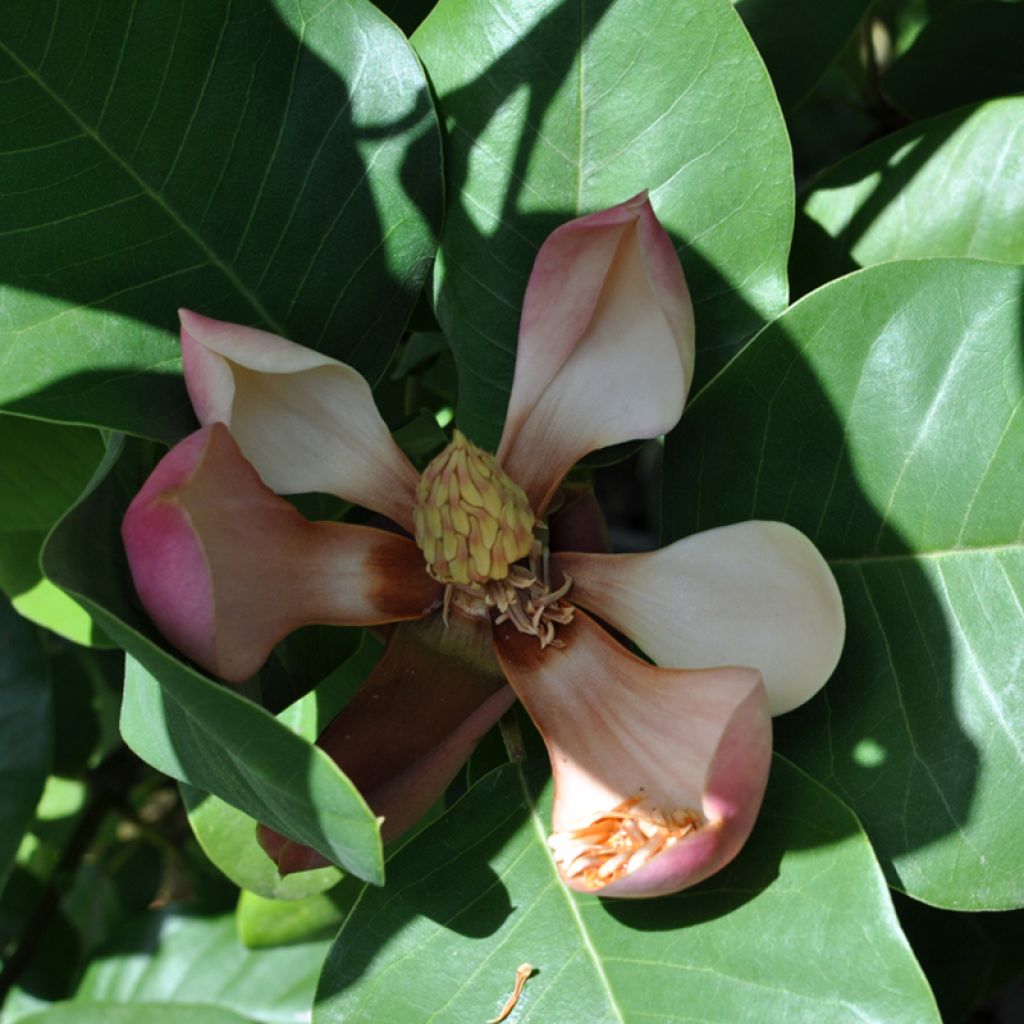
(473, 523)
(617, 842)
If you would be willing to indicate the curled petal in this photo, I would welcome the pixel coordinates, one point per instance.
(304, 420)
(411, 727)
(605, 349)
(683, 756)
(756, 593)
(226, 568)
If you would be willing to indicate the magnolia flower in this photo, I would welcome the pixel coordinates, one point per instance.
(659, 768)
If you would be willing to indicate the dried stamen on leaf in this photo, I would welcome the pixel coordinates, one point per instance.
(523, 971)
(617, 842)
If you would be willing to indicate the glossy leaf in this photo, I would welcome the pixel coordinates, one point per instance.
(145, 1013)
(25, 729)
(44, 468)
(195, 961)
(551, 112)
(476, 895)
(215, 154)
(799, 39)
(966, 53)
(188, 726)
(949, 186)
(228, 837)
(265, 923)
(966, 957)
(881, 415)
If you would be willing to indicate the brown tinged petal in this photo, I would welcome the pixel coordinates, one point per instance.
(606, 345)
(659, 773)
(755, 593)
(577, 522)
(226, 568)
(304, 420)
(411, 727)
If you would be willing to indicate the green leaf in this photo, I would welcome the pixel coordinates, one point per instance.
(949, 186)
(799, 39)
(198, 732)
(881, 415)
(228, 837)
(45, 467)
(173, 957)
(264, 163)
(139, 1013)
(312, 713)
(265, 923)
(800, 927)
(966, 53)
(556, 108)
(188, 726)
(966, 957)
(25, 730)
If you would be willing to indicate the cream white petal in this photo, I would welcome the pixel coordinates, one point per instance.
(304, 420)
(605, 349)
(755, 593)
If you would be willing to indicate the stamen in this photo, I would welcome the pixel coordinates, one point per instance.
(522, 598)
(617, 842)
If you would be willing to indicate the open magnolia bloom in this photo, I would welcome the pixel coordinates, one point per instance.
(659, 769)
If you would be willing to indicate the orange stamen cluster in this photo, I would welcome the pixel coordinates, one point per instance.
(617, 842)
(472, 521)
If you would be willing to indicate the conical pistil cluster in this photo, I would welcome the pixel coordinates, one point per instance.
(475, 528)
(472, 521)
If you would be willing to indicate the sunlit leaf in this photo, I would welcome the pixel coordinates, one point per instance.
(882, 416)
(228, 837)
(144, 1013)
(949, 186)
(194, 961)
(476, 896)
(265, 923)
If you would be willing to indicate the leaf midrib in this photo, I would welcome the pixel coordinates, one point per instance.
(1013, 547)
(153, 194)
(588, 946)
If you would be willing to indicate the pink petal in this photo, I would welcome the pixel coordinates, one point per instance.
(756, 593)
(605, 348)
(404, 736)
(305, 421)
(617, 727)
(226, 568)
